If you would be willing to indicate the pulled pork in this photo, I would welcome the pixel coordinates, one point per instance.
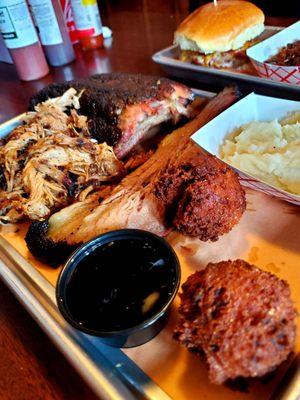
(50, 161)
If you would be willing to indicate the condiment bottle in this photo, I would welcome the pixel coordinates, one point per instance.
(50, 22)
(22, 40)
(88, 23)
(4, 53)
(69, 19)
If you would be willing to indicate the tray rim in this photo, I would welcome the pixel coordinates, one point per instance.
(161, 58)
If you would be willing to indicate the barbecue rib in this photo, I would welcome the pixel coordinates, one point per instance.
(180, 185)
(123, 109)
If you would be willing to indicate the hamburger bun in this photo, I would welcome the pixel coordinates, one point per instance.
(224, 27)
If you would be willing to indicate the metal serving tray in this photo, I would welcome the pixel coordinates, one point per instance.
(169, 60)
(113, 373)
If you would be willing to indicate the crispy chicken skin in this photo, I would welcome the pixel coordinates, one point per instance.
(240, 318)
(123, 108)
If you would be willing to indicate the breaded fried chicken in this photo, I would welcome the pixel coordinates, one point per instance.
(240, 318)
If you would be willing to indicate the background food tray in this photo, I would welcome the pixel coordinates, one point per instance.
(169, 60)
(162, 369)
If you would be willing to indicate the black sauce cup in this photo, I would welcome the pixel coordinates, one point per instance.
(146, 329)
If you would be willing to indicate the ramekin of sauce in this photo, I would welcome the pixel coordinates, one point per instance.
(119, 287)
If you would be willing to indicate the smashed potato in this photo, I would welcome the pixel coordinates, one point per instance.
(269, 151)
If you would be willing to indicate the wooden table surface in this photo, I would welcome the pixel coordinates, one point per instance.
(30, 366)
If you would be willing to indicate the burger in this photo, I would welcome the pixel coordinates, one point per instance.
(218, 34)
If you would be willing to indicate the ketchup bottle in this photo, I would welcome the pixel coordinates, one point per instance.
(88, 23)
(69, 19)
(49, 20)
(22, 40)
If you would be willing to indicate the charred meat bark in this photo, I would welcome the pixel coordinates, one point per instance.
(55, 250)
(47, 250)
(123, 109)
(178, 186)
(240, 318)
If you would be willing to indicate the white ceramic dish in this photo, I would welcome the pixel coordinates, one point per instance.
(251, 108)
(259, 53)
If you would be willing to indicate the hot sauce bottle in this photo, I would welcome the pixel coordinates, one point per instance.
(69, 19)
(22, 40)
(49, 20)
(88, 23)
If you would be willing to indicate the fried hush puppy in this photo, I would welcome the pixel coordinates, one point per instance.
(238, 317)
(202, 196)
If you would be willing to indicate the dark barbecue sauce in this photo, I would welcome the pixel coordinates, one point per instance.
(121, 284)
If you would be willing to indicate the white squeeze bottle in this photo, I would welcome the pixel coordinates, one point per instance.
(49, 20)
(88, 23)
(21, 39)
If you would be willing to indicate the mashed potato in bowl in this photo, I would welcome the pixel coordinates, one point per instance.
(269, 151)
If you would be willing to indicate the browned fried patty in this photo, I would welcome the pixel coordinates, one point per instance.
(239, 317)
(203, 196)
